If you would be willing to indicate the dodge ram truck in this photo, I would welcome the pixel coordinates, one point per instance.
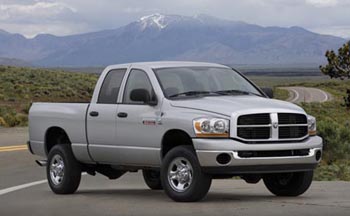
(181, 123)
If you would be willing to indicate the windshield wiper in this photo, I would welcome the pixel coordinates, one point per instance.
(221, 92)
(235, 92)
(190, 93)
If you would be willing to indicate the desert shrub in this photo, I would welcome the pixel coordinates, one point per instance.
(11, 120)
(6, 110)
(21, 120)
(280, 94)
(22, 86)
(336, 140)
(2, 122)
(336, 171)
(26, 84)
(9, 117)
(347, 99)
(26, 108)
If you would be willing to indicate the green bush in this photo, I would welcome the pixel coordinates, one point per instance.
(26, 108)
(22, 120)
(336, 139)
(11, 120)
(280, 94)
(336, 171)
(2, 122)
(22, 86)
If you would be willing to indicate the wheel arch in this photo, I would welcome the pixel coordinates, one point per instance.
(173, 138)
(55, 135)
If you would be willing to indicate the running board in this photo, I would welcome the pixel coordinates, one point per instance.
(41, 163)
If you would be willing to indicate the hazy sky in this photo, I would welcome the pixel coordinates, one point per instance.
(64, 17)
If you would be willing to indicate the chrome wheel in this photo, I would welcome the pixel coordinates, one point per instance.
(180, 174)
(57, 169)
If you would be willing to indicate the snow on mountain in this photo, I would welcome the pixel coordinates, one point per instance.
(153, 20)
(167, 37)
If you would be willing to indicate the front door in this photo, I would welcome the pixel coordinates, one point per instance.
(138, 132)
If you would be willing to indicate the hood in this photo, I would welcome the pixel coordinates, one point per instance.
(227, 105)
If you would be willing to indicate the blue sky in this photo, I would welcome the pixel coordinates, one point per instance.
(65, 17)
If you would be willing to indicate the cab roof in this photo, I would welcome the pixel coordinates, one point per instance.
(167, 64)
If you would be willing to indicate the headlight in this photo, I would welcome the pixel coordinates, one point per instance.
(311, 121)
(211, 127)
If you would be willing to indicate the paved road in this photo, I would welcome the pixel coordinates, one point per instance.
(305, 94)
(13, 136)
(130, 196)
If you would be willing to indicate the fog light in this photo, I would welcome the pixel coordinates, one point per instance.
(223, 159)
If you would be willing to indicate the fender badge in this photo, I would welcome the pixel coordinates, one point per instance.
(149, 122)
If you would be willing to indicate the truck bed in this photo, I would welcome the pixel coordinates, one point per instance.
(71, 116)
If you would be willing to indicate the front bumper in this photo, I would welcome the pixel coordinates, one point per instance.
(208, 150)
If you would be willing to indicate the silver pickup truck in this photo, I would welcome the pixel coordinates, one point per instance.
(181, 123)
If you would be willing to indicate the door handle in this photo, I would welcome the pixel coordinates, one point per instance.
(93, 113)
(122, 115)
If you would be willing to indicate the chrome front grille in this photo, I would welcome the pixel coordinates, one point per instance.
(272, 126)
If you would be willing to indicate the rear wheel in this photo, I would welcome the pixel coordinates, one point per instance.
(63, 171)
(288, 184)
(152, 179)
(182, 177)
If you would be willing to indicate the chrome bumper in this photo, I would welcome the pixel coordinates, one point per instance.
(208, 149)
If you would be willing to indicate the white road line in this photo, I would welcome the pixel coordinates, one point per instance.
(23, 186)
(20, 187)
(296, 95)
(324, 94)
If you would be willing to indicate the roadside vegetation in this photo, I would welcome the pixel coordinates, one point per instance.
(333, 125)
(338, 67)
(22, 86)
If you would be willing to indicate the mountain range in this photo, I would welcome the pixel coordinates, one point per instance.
(14, 62)
(173, 37)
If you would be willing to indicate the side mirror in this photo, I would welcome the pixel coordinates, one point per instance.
(142, 95)
(268, 92)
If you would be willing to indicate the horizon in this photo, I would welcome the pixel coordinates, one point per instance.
(62, 17)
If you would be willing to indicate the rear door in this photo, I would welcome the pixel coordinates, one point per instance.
(102, 116)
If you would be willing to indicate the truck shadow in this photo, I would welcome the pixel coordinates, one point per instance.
(212, 197)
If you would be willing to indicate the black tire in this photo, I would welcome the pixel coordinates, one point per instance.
(71, 172)
(200, 184)
(288, 184)
(152, 179)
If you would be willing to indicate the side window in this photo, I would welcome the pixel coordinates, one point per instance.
(137, 80)
(110, 87)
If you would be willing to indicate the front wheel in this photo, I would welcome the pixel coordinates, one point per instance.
(182, 177)
(63, 171)
(288, 184)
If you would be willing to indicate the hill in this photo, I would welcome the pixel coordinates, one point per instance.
(14, 62)
(20, 86)
(173, 37)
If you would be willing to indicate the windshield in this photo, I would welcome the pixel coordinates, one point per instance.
(203, 81)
